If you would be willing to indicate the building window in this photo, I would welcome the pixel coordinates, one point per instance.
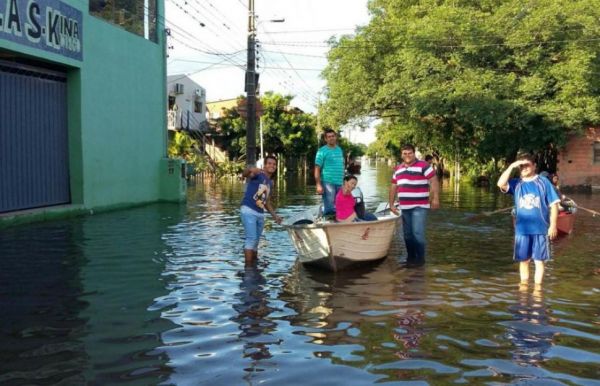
(136, 16)
(197, 105)
(597, 153)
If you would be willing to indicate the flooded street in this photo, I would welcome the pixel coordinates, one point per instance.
(160, 295)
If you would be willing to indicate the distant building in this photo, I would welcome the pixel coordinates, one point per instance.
(364, 135)
(187, 104)
(579, 161)
(83, 107)
(216, 108)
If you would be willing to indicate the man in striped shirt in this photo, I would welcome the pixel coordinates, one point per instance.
(415, 185)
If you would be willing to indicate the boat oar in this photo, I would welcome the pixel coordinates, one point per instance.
(592, 212)
(487, 214)
(497, 211)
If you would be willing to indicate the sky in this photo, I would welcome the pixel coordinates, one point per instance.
(208, 42)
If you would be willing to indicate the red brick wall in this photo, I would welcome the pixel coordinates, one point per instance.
(576, 161)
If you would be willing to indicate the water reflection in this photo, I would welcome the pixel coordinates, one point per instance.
(40, 325)
(252, 311)
(74, 296)
(159, 294)
(410, 316)
(529, 331)
(379, 308)
(325, 299)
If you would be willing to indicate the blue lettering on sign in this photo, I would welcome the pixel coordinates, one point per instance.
(49, 25)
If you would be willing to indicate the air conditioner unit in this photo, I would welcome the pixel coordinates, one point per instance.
(178, 88)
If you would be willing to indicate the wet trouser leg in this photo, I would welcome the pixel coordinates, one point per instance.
(329, 193)
(413, 223)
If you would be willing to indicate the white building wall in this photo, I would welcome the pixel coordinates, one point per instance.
(187, 93)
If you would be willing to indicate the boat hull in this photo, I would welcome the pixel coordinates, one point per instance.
(564, 223)
(338, 246)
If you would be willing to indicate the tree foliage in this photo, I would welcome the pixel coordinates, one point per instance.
(286, 130)
(476, 79)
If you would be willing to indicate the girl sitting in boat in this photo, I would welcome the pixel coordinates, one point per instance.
(566, 204)
(348, 204)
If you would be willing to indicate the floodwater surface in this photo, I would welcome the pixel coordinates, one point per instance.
(160, 295)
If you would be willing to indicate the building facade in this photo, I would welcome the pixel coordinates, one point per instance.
(579, 160)
(187, 104)
(83, 107)
(216, 108)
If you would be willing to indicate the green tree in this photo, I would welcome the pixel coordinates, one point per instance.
(287, 130)
(475, 80)
(231, 132)
(181, 145)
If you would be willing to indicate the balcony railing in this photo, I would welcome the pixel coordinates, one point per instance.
(171, 120)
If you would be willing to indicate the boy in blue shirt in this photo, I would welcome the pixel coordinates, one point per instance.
(257, 200)
(536, 206)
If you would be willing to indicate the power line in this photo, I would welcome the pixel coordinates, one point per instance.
(227, 58)
(295, 54)
(359, 46)
(196, 71)
(293, 69)
(202, 23)
(312, 31)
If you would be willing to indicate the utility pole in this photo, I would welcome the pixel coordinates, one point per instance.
(251, 80)
(318, 119)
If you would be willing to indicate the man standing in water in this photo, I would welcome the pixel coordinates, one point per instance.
(536, 206)
(256, 199)
(414, 184)
(329, 171)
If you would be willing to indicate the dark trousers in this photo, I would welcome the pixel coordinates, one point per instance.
(413, 226)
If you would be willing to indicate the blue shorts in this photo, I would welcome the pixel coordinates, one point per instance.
(536, 247)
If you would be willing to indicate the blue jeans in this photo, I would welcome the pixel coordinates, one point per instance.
(413, 225)
(329, 193)
(368, 217)
(254, 223)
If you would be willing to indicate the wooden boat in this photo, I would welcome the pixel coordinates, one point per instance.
(337, 246)
(564, 223)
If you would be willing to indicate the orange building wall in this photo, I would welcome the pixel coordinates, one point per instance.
(575, 161)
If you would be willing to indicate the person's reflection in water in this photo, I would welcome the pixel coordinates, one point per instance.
(529, 330)
(252, 310)
(410, 316)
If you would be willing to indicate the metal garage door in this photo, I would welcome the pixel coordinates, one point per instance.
(34, 162)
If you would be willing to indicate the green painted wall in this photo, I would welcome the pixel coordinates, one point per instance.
(123, 115)
(117, 116)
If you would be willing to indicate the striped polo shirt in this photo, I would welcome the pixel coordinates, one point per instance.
(412, 184)
(331, 162)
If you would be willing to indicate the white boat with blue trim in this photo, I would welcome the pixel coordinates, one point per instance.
(337, 246)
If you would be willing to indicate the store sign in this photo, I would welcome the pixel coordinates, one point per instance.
(49, 25)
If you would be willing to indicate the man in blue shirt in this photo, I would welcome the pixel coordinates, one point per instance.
(536, 206)
(329, 171)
